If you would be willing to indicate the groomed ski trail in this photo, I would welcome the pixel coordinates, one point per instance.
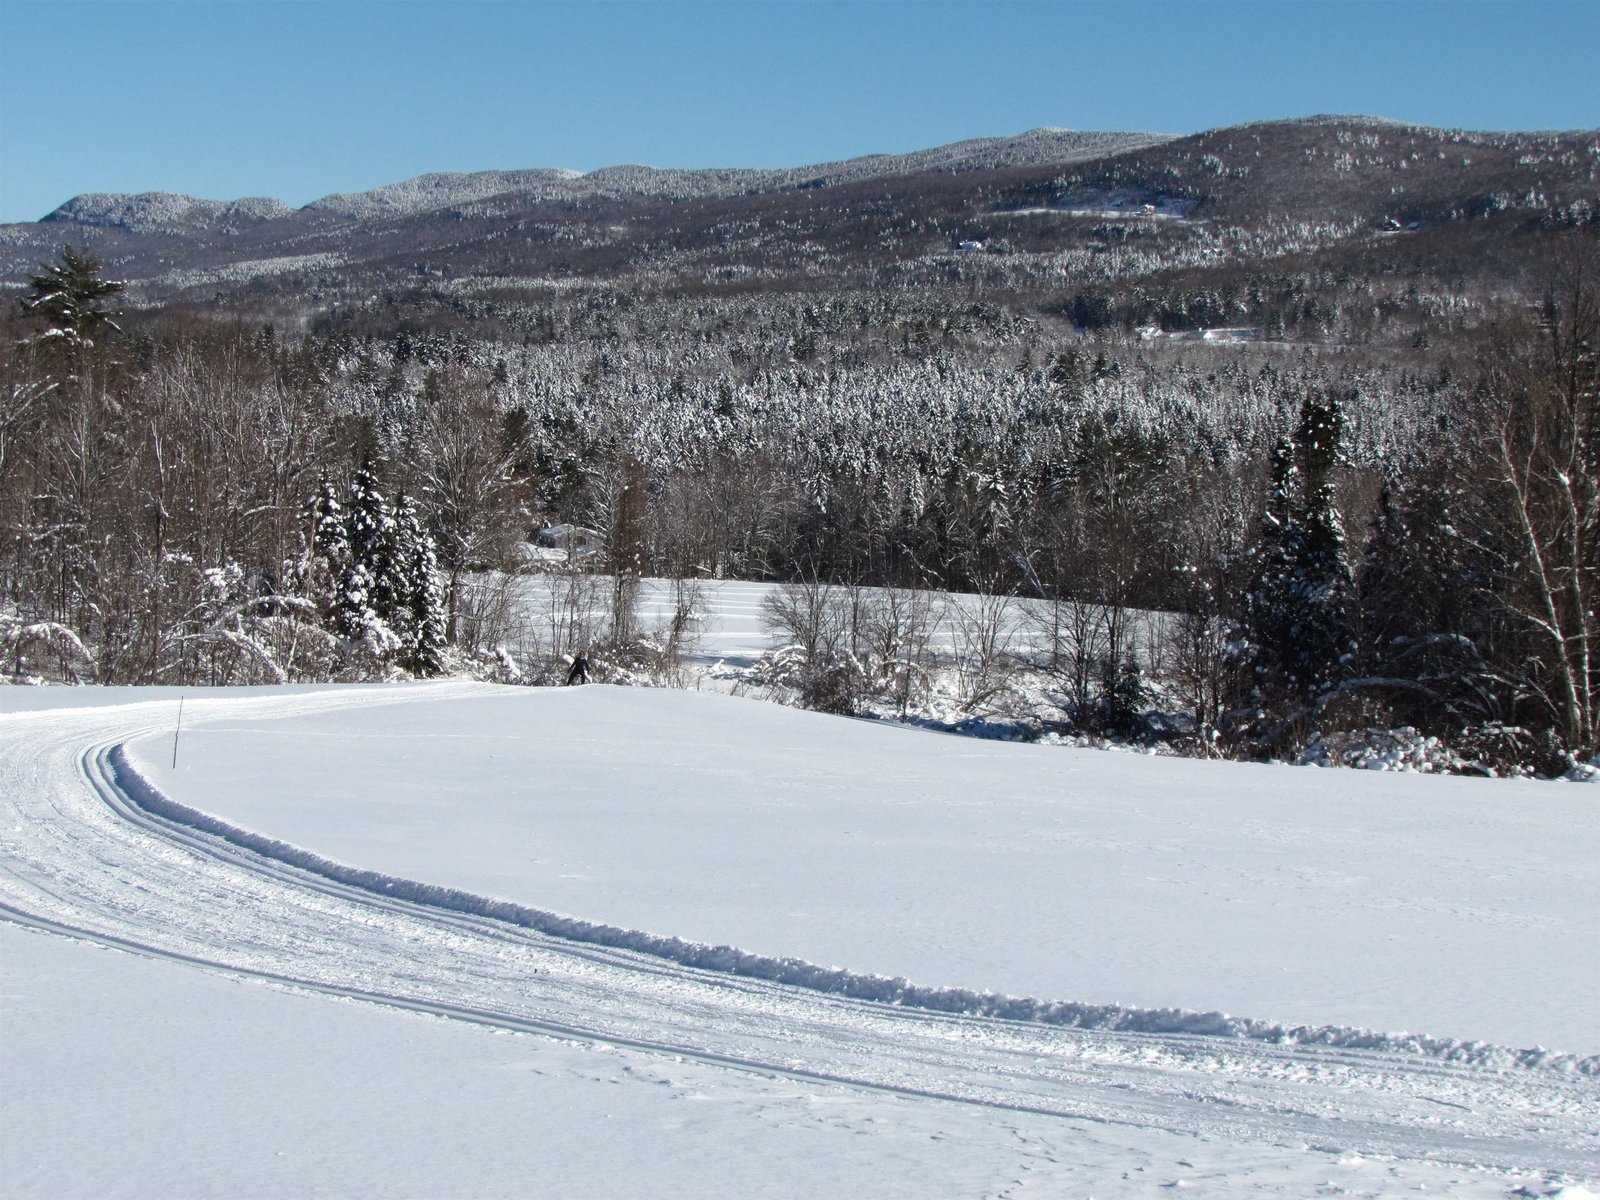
(79, 857)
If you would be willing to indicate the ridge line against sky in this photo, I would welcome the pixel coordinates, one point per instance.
(301, 100)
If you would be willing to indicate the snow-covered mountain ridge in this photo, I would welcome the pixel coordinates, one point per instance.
(156, 211)
(1026, 213)
(151, 212)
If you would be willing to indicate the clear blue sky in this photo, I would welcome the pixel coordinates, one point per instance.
(300, 98)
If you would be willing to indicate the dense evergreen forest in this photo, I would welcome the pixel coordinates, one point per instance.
(1361, 501)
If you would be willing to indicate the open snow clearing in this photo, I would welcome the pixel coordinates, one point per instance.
(86, 851)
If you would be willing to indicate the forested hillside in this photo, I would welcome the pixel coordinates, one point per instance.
(1323, 391)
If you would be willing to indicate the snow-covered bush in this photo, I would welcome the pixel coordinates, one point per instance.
(1402, 749)
(35, 650)
(495, 666)
(1510, 751)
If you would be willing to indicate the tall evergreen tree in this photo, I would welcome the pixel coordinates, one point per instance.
(330, 539)
(1322, 638)
(70, 298)
(356, 540)
(1267, 616)
(372, 543)
(1383, 611)
(421, 616)
(329, 535)
(1296, 609)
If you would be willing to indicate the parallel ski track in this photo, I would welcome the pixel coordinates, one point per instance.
(79, 858)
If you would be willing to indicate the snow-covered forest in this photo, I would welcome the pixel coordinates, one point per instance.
(1359, 506)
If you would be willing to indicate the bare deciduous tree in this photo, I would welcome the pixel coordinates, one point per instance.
(1538, 516)
(465, 476)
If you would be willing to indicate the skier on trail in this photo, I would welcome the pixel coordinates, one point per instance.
(580, 669)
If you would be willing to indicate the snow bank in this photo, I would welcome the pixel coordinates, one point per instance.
(798, 973)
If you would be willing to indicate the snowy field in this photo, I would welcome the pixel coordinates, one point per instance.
(731, 631)
(1443, 906)
(217, 1087)
(253, 1020)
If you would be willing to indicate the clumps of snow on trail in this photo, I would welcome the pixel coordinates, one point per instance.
(798, 973)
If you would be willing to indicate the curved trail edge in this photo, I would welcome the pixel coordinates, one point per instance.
(113, 765)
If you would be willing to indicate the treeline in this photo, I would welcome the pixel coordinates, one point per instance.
(1344, 540)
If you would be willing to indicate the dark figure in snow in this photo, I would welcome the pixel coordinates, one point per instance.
(580, 669)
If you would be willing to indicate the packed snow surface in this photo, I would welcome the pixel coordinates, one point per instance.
(218, 1087)
(252, 1017)
(1450, 907)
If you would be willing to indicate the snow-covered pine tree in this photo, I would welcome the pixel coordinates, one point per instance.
(1296, 609)
(420, 620)
(329, 536)
(1322, 641)
(1122, 691)
(1425, 626)
(330, 560)
(1414, 654)
(1265, 610)
(356, 540)
(70, 298)
(372, 543)
(1382, 610)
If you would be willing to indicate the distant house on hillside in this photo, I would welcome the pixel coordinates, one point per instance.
(575, 541)
(972, 247)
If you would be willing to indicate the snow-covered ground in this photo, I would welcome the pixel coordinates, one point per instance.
(128, 1077)
(212, 1086)
(731, 632)
(1452, 907)
(275, 1029)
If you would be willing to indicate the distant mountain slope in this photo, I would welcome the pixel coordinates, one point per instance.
(153, 212)
(1041, 207)
(430, 192)
(443, 188)
(1341, 167)
(167, 212)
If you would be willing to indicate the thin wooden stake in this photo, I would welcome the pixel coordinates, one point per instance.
(175, 730)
